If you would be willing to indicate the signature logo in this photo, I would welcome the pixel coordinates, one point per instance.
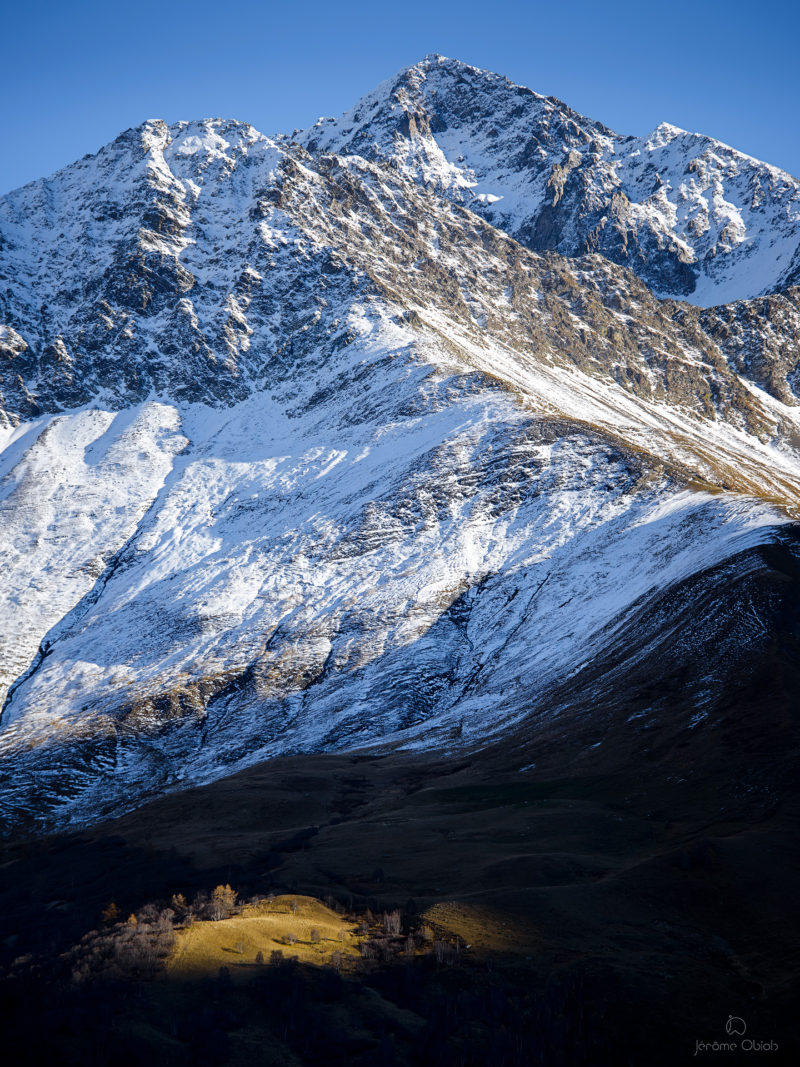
(735, 1027)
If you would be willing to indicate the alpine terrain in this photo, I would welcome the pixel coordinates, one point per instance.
(459, 435)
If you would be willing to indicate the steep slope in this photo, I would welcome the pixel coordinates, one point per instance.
(281, 243)
(323, 581)
(691, 216)
(302, 454)
(73, 491)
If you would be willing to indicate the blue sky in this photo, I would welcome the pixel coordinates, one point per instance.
(75, 74)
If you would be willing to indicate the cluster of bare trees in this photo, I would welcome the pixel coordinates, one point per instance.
(219, 904)
(388, 941)
(133, 948)
(137, 947)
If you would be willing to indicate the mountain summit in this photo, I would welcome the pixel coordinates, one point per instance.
(395, 434)
(692, 217)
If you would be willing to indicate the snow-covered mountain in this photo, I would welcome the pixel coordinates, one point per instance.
(314, 444)
(694, 218)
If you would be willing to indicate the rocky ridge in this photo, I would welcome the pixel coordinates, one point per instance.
(691, 216)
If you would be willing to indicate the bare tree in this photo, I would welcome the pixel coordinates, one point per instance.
(369, 950)
(391, 922)
(111, 913)
(223, 901)
(180, 907)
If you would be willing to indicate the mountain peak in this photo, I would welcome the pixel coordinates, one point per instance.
(434, 61)
(556, 180)
(667, 131)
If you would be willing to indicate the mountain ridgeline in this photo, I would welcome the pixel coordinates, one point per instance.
(458, 419)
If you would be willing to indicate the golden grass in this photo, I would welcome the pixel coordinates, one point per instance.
(484, 930)
(266, 927)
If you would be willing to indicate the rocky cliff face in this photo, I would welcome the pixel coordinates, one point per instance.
(316, 445)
